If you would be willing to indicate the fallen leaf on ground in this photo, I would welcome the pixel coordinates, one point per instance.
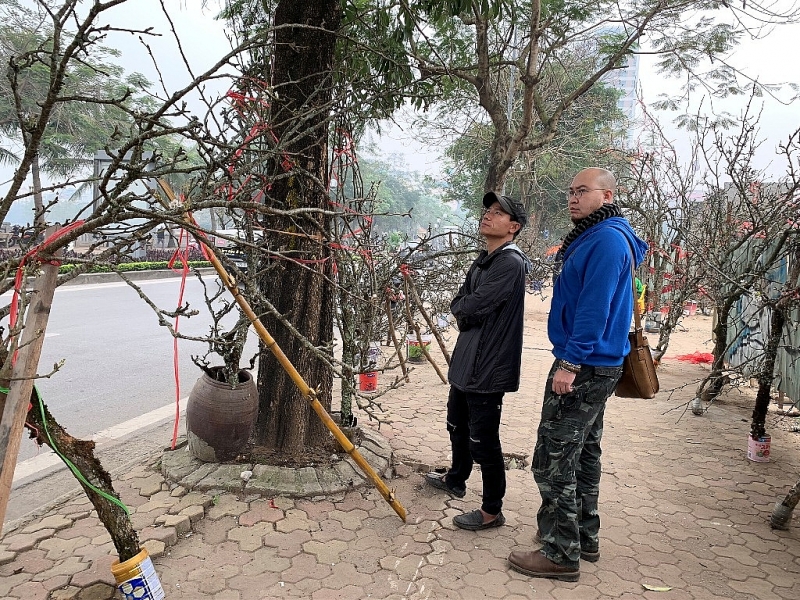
(656, 588)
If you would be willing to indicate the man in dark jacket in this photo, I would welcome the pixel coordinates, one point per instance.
(489, 310)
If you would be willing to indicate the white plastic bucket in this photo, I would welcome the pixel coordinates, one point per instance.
(374, 353)
(414, 348)
(758, 450)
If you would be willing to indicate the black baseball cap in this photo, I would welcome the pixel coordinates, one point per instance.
(508, 204)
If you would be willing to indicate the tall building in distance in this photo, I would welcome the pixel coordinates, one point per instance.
(625, 80)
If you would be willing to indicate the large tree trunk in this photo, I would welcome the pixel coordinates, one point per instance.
(299, 288)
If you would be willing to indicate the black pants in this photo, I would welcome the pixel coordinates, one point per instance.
(473, 421)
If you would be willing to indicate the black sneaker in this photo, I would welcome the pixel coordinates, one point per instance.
(439, 481)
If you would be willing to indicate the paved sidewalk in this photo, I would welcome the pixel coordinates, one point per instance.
(681, 507)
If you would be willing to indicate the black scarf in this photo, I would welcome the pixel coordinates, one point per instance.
(601, 214)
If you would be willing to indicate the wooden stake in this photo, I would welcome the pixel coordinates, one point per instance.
(433, 329)
(415, 327)
(12, 421)
(393, 337)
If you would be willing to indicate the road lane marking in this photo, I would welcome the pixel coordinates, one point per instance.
(48, 458)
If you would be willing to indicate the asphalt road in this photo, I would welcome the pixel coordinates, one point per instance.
(117, 382)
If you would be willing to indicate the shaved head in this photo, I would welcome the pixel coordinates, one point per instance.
(603, 178)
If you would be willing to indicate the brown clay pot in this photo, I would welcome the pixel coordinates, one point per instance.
(220, 419)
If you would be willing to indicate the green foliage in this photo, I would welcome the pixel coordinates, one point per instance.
(405, 201)
(94, 108)
(587, 130)
(374, 74)
(132, 266)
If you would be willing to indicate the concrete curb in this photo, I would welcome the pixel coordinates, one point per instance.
(179, 467)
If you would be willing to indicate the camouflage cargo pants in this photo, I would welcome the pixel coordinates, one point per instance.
(566, 463)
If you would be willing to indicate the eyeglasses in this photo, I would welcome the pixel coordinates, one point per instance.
(492, 212)
(581, 191)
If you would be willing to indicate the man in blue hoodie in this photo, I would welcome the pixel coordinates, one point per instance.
(489, 309)
(588, 324)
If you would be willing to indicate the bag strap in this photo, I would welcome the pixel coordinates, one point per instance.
(637, 316)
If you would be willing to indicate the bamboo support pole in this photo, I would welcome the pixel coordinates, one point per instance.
(309, 393)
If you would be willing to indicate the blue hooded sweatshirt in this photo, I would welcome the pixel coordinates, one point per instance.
(592, 306)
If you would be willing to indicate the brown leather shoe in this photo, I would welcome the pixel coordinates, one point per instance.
(587, 555)
(536, 564)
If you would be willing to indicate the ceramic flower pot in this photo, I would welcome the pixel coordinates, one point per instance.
(220, 419)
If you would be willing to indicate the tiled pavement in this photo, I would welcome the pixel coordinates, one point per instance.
(681, 507)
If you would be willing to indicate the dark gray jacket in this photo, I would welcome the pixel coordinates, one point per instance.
(489, 310)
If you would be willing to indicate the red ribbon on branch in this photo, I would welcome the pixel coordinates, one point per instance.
(181, 254)
(33, 252)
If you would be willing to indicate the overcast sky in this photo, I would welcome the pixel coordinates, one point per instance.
(768, 60)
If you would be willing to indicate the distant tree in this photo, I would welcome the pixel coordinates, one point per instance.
(405, 202)
(91, 111)
(589, 132)
(487, 55)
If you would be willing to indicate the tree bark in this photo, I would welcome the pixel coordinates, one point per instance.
(765, 376)
(716, 380)
(38, 203)
(81, 454)
(299, 285)
(777, 323)
(782, 513)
